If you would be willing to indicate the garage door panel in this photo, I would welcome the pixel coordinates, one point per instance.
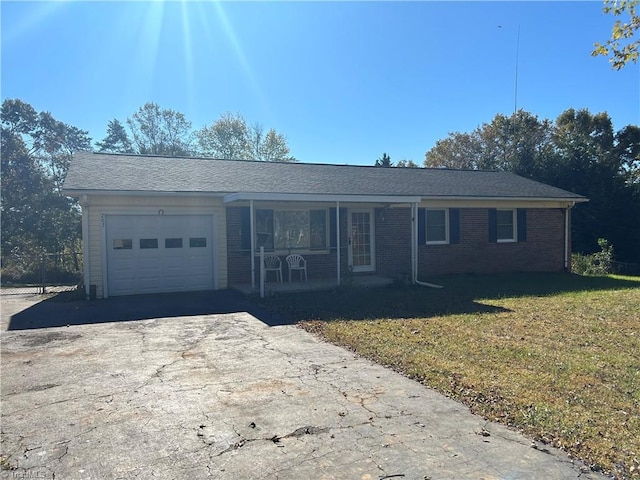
(178, 254)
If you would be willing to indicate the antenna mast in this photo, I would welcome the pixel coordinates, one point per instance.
(515, 97)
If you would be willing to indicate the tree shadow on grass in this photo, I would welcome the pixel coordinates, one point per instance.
(461, 294)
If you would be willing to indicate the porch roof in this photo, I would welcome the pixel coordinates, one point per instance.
(92, 173)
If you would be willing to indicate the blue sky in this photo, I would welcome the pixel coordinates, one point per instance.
(344, 82)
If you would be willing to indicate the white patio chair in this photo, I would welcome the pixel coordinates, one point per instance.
(297, 262)
(272, 263)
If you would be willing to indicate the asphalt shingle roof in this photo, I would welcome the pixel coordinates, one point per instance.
(138, 173)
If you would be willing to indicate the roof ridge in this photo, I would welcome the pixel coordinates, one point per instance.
(197, 157)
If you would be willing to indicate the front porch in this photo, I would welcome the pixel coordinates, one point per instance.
(270, 288)
(368, 235)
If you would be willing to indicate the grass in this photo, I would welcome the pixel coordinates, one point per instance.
(556, 356)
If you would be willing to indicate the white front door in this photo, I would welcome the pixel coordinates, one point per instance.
(362, 240)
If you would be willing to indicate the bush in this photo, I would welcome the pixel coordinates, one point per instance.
(53, 269)
(599, 263)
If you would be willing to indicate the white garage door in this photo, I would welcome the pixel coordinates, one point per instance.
(159, 253)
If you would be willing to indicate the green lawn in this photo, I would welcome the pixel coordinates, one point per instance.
(554, 355)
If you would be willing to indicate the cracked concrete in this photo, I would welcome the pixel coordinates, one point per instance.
(226, 396)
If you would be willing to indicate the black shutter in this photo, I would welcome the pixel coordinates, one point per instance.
(454, 225)
(422, 226)
(493, 225)
(333, 239)
(245, 229)
(522, 224)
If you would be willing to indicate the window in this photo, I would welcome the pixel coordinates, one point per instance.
(172, 243)
(289, 230)
(318, 228)
(505, 226)
(122, 244)
(148, 243)
(198, 242)
(437, 226)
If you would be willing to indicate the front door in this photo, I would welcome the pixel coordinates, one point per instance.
(361, 241)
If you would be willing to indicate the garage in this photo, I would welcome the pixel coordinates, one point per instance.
(159, 253)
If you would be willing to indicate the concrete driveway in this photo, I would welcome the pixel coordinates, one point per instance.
(211, 391)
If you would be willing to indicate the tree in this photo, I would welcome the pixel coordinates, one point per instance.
(54, 143)
(271, 147)
(628, 149)
(230, 138)
(36, 150)
(157, 131)
(24, 193)
(458, 150)
(227, 138)
(621, 47)
(384, 161)
(517, 143)
(117, 139)
(407, 164)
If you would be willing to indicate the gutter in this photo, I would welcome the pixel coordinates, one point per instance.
(577, 199)
(139, 193)
(265, 196)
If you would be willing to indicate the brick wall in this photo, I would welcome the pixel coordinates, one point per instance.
(393, 242)
(543, 250)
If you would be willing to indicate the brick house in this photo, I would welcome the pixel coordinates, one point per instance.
(155, 224)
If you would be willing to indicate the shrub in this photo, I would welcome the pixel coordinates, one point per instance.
(598, 263)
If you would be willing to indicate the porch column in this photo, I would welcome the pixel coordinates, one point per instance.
(338, 240)
(414, 242)
(253, 246)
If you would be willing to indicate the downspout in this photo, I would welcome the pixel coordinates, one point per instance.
(414, 247)
(566, 235)
(338, 240)
(253, 247)
(85, 246)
